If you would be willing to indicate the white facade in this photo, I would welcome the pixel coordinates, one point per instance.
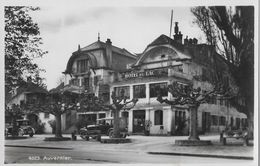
(164, 61)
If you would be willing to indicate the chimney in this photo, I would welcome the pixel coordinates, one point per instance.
(195, 41)
(190, 41)
(109, 41)
(186, 41)
(176, 28)
(177, 36)
(109, 53)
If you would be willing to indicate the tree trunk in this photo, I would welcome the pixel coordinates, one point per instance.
(250, 122)
(193, 123)
(250, 116)
(15, 127)
(116, 124)
(58, 126)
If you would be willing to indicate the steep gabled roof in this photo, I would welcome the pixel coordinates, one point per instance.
(102, 45)
(163, 42)
(98, 45)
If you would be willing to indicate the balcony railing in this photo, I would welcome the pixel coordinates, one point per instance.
(179, 74)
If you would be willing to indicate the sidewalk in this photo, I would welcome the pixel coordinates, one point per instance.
(148, 144)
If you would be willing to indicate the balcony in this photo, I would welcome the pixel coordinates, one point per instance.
(179, 74)
(74, 88)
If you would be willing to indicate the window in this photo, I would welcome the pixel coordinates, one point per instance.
(21, 102)
(212, 100)
(125, 88)
(183, 116)
(85, 82)
(163, 56)
(214, 120)
(46, 115)
(178, 68)
(91, 117)
(75, 81)
(158, 86)
(82, 65)
(139, 91)
(96, 79)
(102, 115)
(31, 99)
(231, 121)
(237, 123)
(158, 117)
(177, 117)
(105, 97)
(222, 121)
(221, 101)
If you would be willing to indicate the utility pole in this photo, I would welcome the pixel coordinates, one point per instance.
(171, 24)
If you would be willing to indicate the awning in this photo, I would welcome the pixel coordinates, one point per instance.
(221, 110)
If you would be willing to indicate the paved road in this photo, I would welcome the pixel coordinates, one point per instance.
(38, 155)
(135, 152)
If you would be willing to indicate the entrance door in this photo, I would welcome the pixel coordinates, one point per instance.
(205, 122)
(138, 121)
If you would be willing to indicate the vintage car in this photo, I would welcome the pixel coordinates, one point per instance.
(23, 128)
(104, 126)
(236, 134)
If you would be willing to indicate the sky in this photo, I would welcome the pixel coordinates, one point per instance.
(65, 27)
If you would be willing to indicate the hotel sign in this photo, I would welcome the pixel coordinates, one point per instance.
(148, 73)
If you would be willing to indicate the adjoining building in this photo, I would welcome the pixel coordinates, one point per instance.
(92, 69)
(164, 61)
(30, 93)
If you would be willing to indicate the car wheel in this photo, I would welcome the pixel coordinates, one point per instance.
(99, 138)
(111, 134)
(20, 132)
(83, 136)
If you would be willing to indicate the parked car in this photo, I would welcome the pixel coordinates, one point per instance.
(235, 134)
(104, 126)
(23, 128)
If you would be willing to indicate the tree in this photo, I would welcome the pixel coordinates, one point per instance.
(22, 45)
(120, 103)
(91, 102)
(187, 95)
(55, 103)
(233, 31)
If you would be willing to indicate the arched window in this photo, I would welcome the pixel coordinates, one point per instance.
(158, 117)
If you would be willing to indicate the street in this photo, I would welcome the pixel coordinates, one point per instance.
(33, 155)
(95, 152)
